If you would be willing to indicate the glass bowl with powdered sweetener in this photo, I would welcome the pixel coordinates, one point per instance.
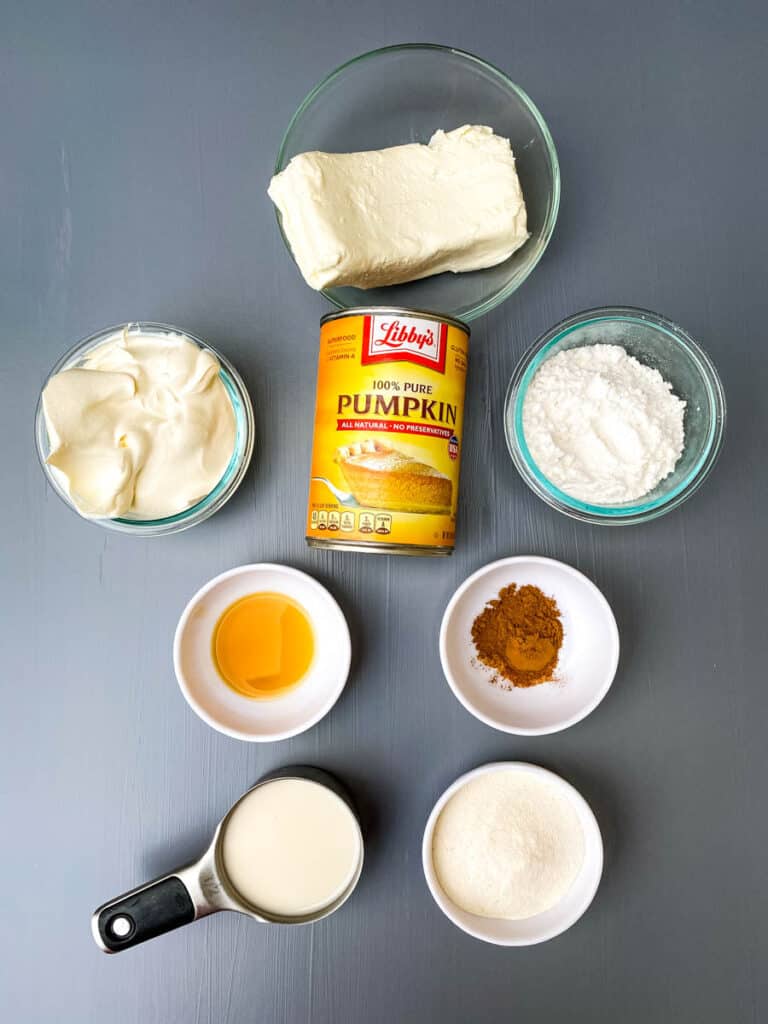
(615, 416)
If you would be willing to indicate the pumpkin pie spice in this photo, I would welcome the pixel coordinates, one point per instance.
(519, 635)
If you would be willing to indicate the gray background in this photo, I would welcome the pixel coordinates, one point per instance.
(136, 144)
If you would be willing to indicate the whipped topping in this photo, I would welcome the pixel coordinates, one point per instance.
(144, 427)
(392, 215)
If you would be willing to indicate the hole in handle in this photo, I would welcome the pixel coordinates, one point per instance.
(122, 927)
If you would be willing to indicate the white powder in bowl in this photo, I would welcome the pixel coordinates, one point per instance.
(507, 845)
(601, 426)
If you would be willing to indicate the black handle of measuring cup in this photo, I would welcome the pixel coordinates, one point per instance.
(142, 914)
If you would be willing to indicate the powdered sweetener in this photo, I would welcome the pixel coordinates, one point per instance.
(601, 426)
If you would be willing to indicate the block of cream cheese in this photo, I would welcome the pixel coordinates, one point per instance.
(399, 214)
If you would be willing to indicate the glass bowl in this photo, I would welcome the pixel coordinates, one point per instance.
(234, 473)
(658, 343)
(404, 94)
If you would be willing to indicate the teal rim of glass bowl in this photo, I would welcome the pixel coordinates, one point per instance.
(533, 359)
(551, 220)
(230, 479)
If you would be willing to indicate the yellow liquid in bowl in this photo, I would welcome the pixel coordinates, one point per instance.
(263, 645)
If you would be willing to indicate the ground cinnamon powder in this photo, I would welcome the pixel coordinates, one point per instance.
(519, 634)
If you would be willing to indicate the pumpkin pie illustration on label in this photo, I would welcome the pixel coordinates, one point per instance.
(383, 477)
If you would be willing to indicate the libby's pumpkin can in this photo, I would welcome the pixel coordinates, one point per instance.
(388, 431)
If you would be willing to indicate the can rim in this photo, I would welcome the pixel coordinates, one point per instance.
(379, 547)
(424, 314)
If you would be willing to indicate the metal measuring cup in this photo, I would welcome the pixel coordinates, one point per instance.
(203, 888)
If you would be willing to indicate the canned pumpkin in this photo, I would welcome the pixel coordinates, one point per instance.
(388, 430)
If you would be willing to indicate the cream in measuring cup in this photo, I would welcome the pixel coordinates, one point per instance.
(289, 851)
(304, 860)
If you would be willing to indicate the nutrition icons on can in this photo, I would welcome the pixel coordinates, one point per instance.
(347, 522)
(367, 522)
(319, 519)
(383, 525)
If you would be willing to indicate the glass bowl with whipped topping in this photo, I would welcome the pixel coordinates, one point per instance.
(395, 184)
(144, 428)
(615, 416)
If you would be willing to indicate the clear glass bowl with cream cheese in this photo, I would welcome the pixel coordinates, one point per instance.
(235, 469)
(402, 94)
(654, 341)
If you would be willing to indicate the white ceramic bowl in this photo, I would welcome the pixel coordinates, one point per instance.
(529, 930)
(261, 721)
(588, 658)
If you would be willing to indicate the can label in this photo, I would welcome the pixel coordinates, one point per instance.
(388, 430)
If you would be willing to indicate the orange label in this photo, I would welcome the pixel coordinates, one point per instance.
(388, 430)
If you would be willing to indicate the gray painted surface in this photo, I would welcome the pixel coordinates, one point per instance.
(137, 140)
